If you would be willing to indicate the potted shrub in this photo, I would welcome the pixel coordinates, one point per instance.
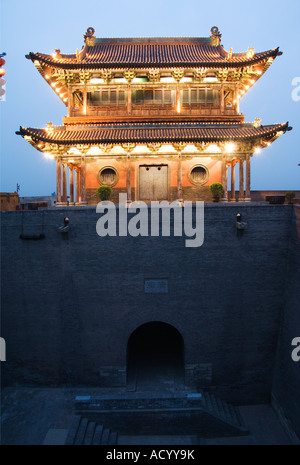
(289, 197)
(104, 192)
(217, 190)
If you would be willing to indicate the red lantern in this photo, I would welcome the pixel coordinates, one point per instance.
(2, 82)
(2, 71)
(2, 91)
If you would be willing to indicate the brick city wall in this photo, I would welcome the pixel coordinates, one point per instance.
(70, 304)
(286, 389)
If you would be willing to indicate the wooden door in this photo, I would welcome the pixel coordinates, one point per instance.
(153, 182)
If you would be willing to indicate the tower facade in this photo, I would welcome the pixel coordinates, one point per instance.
(157, 118)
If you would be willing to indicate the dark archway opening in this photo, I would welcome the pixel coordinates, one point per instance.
(155, 357)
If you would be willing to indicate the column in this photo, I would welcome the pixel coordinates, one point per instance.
(84, 100)
(178, 106)
(64, 193)
(247, 192)
(226, 183)
(241, 180)
(224, 179)
(179, 179)
(71, 174)
(58, 181)
(237, 100)
(77, 187)
(69, 101)
(232, 192)
(129, 99)
(128, 178)
(222, 103)
(82, 181)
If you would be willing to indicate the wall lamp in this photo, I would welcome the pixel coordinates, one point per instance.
(65, 228)
(240, 225)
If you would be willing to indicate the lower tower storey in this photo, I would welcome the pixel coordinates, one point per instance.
(152, 161)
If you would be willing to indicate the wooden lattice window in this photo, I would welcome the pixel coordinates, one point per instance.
(199, 96)
(153, 96)
(108, 176)
(103, 97)
(198, 174)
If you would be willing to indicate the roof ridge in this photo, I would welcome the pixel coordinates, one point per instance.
(160, 123)
(180, 54)
(153, 39)
(172, 134)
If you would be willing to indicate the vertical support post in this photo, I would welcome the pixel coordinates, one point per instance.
(64, 194)
(58, 181)
(128, 178)
(224, 179)
(82, 181)
(179, 178)
(222, 103)
(247, 192)
(241, 180)
(84, 100)
(178, 105)
(70, 99)
(237, 100)
(71, 174)
(78, 187)
(232, 192)
(227, 166)
(129, 103)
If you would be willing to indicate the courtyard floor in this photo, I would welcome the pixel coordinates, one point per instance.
(36, 416)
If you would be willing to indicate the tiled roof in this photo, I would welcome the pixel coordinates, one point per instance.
(152, 132)
(152, 52)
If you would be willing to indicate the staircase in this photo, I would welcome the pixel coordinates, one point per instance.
(178, 413)
(89, 433)
(223, 411)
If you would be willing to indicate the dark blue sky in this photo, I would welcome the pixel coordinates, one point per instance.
(44, 26)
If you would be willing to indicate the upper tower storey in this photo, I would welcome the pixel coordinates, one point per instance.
(152, 78)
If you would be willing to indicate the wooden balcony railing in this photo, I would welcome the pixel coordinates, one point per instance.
(153, 110)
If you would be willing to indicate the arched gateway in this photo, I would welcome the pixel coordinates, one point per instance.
(155, 357)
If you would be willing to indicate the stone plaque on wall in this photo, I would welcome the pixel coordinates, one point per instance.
(156, 286)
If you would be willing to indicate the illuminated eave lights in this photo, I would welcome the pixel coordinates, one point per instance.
(230, 147)
(59, 90)
(250, 82)
(263, 144)
(48, 156)
(213, 148)
(210, 77)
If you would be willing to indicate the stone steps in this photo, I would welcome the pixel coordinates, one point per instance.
(86, 432)
(223, 410)
(181, 413)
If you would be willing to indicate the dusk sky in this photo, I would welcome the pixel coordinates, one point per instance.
(40, 26)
